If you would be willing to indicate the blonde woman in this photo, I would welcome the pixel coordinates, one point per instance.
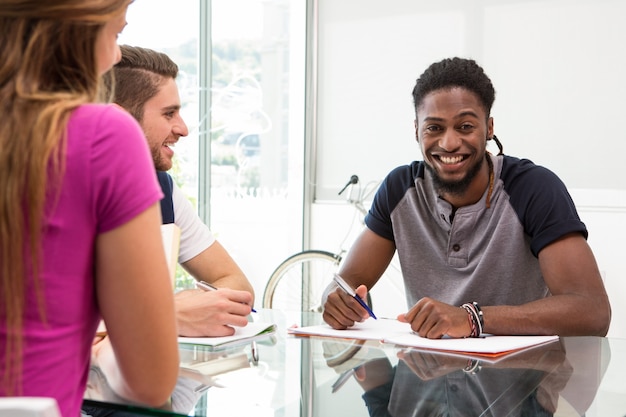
(79, 219)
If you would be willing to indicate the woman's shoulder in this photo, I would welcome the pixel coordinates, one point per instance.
(100, 112)
(98, 123)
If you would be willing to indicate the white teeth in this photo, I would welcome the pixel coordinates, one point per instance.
(450, 159)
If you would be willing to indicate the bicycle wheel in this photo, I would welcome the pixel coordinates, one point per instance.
(298, 283)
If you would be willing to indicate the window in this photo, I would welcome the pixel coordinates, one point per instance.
(242, 162)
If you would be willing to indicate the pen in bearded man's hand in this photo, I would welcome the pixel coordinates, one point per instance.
(208, 287)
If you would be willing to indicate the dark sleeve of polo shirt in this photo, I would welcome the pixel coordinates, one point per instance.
(167, 203)
(389, 194)
(541, 202)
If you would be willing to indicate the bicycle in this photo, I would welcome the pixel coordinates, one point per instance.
(310, 271)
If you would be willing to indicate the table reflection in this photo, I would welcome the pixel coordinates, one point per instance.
(529, 383)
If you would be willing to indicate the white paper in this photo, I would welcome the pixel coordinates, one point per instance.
(394, 332)
(369, 329)
(252, 331)
(484, 345)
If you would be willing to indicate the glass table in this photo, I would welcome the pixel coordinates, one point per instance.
(284, 375)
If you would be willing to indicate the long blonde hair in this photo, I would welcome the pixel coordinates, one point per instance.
(47, 68)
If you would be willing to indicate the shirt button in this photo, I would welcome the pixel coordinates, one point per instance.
(454, 388)
(456, 247)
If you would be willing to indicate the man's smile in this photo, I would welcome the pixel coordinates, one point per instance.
(447, 160)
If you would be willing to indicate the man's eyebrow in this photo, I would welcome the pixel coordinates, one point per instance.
(173, 107)
(467, 113)
(432, 119)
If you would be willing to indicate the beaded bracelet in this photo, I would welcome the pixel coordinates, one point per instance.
(472, 367)
(475, 317)
(473, 320)
(481, 319)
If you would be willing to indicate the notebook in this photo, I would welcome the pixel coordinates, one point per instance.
(392, 331)
(252, 331)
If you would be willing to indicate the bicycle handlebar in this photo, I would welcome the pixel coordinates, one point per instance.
(353, 180)
(361, 194)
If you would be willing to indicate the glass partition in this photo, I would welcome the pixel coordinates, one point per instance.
(242, 161)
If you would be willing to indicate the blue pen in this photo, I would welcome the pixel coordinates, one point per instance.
(348, 289)
(208, 287)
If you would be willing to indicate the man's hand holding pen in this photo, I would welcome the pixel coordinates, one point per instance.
(345, 306)
(211, 313)
(208, 287)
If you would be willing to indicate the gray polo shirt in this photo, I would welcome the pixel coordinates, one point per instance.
(487, 255)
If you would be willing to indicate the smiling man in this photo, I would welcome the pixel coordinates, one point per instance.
(145, 85)
(497, 236)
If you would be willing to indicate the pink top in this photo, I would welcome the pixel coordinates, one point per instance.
(109, 180)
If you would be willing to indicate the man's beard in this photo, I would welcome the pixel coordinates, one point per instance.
(159, 164)
(457, 188)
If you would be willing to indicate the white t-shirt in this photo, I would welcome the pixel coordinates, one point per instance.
(195, 236)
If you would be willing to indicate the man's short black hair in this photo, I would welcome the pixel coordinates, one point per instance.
(455, 72)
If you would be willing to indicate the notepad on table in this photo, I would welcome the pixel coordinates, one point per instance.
(252, 331)
(395, 332)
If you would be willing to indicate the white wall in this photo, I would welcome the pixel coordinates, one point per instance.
(558, 68)
(604, 213)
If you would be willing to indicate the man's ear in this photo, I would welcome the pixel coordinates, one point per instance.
(417, 138)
